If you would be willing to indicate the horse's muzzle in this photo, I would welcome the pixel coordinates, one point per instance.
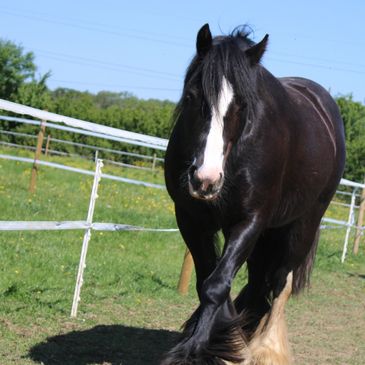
(205, 188)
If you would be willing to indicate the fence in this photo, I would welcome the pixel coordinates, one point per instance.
(95, 130)
(89, 129)
(87, 225)
(92, 129)
(351, 222)
(153, 159)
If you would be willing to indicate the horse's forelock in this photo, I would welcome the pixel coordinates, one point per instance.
(227, 60)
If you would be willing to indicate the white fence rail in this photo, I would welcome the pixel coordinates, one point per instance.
(126, 136)
(82, 171)
(60, 153)
(74, 225)
(79, 131)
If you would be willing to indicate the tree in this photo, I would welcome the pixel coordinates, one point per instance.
(35, 93)
(353, 115)
(16, 67)
(105, 99)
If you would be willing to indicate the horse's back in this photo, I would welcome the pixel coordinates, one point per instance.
(319, 112)
(303, 90)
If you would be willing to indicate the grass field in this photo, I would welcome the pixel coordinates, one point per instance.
(130, 312)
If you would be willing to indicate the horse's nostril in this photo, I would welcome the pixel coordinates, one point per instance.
(193, 178)
(192, 170)
(209, 189)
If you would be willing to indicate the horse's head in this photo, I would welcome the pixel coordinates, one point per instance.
(219, 92)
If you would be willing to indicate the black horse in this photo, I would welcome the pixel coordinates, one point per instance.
(258, 158)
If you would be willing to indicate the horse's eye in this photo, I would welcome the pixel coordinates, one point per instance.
(241, 103)
(189, 97)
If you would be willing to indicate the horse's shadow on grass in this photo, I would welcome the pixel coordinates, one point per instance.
(115, 345)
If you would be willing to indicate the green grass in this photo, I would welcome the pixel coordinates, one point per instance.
(130, 311)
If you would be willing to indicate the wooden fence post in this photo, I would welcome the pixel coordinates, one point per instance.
(360, 223)
(38, 151)
(154, 162)
(47, 144)
(185, 275)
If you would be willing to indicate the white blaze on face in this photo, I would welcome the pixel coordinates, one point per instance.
(212, 166)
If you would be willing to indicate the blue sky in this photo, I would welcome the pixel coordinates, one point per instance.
(144, 47)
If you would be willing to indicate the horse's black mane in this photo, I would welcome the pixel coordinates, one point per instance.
(225, 58)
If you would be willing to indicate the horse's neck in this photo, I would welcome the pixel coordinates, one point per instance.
(272, 95)
(270, 85)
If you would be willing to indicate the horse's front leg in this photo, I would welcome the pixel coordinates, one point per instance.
(200, 239)
(215, 324)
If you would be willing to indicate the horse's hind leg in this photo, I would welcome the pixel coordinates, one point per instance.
(269, 344)
(289, 274)
(254, 300)
(300, 246)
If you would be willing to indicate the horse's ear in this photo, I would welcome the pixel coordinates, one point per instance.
(256, 52)
(203, 40)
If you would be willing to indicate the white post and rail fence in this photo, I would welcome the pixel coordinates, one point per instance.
(101, 131)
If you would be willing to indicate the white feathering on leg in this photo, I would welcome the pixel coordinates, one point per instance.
(269, 344)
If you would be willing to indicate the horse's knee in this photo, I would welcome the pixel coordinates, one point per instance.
(214, 293)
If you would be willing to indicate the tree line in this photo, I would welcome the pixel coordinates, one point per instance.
(19, 83)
